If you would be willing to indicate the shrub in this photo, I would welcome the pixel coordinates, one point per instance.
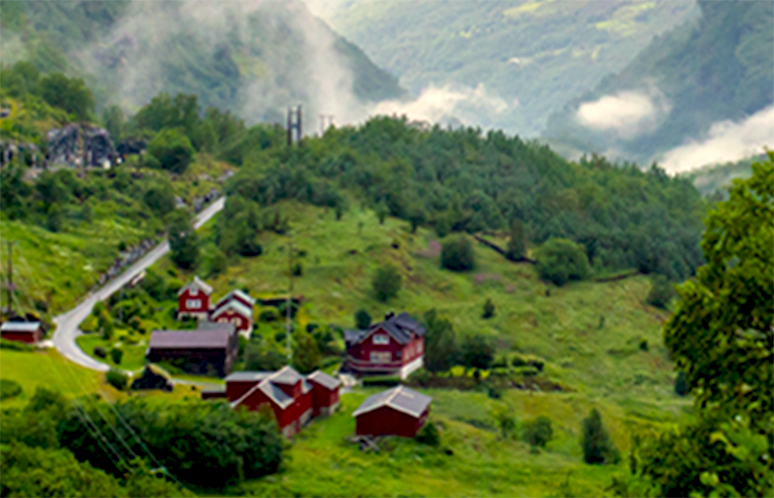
(562, 260)
(116, 354)
(100, 352)
(117, 378)
(9, 389)
(218, 263)
(382, 381)
(298, 269)
(457, 254)
(260, 357)
(516, 247)
(429, 435)
(681, 387)
(661, 292)
(598, 448)
(538, 432)
(268, 315)
(172, 149)
(489, 309)
(477, 352)
(386, 283)
(362, 319)
(16, 345)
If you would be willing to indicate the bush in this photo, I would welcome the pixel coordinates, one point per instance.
(268, 315)
(489, 309)
(538, 432)
(681, 387)
(117, 379)
(172, 149)
(362, 319)
(429, 435)
(457, 254)
(386, 283)
(9, 389)
(562, 260)
(516, 249)
(100, 352)
(16, 345)
(382, 381)
(661, 292)
(298, 269)
(116, 354)
(598, 448)
(260, 357)
(477, 352)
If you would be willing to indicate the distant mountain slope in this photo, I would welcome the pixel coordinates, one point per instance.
(531, 57)
(253, 57)
(711, 179)
(685, 82)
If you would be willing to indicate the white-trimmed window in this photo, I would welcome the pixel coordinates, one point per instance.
(381, 357)
(382, 339)
(419, 347)
(194, 291)
(193, 304)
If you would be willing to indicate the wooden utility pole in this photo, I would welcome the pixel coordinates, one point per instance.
(294, 122)
(10, 278)
(289, 302)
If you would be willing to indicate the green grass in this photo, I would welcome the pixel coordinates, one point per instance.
(133, 358)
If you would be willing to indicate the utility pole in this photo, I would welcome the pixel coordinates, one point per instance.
(289, 302)
(10, 278)
(294, 122)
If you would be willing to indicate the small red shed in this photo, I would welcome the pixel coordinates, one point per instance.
(397, 412)
(30, 332)
(325, 393)
(193, 300)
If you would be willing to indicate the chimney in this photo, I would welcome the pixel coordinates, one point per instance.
(389, 315)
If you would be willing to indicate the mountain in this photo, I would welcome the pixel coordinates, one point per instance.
(501, 64)
(252, 57)
(690, 96)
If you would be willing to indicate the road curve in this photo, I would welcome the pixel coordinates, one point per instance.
(67, 323)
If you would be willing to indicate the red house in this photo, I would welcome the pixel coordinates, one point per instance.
(395, 346)
(293, 398)
(193, 300)
(398, 412)
(236, 295)
(30, 332)
(236, 312)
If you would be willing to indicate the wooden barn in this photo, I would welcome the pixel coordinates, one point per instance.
(211, 349)
(29, 332)
(397, 412)
(193, 300)
(395, 346)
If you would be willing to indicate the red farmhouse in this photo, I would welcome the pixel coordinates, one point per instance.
(193, 300)
(293, 398)
(235, 295)
(30, 332)
(398, 412)
(393, 347)
(234, 311)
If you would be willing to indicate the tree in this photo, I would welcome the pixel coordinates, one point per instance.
(661, 292)
(681, 388)
(416, 216)
(183, 241)
(562, 260)
(505, 420)
(113, 120)
(218, 263)
(117, 378)
(70, 94)
(306, 353)
(457, 254)
(116, 354)
(362, 319)
(160, 199)
(721, 335)
(441, 351)
(538, 432)
(598, 448)
(261, 357)
(477, 352)
(429, 435)
(386, 283)
(489, 309)
(516, 249)
(172, 149)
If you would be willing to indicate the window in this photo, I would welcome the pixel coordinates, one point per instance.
(381, 339)
(193, 304)
(377, 357)
(194, 291)
(419, 347)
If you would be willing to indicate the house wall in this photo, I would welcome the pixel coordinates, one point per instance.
(360, 355)
(291, 419)
(230, 316)
(387, 421)
(183, 309)
(237, 389)
(28, 337)
(197, 360)
(324, 399)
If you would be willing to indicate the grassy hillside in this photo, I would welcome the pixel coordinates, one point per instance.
(716, 70)
(535, 56)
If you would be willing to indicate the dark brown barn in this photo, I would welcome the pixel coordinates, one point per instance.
(29, 332)
(209, 350)
(398, 412)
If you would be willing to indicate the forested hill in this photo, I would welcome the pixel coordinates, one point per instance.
(683, 83)
(531, 56)
(252, 57)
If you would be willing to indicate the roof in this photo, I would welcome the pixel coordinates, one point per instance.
(193, 339)
(400, 398)
(353, 336)
(268, 386)
(236, 293)
(399, 327)
(20, 327)
(199, 284)
(217, 326)
(248, 376)
(324, 379)
(287, 375)
(235, 305)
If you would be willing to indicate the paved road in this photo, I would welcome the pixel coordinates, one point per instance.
(67, 323)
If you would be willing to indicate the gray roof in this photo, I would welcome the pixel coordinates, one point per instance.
(247, 376)
(236, 306)
(324, 379)
(353, 336)
(400, 398)
(268, 386)
(399, 327)
(193, 339)
(198, 283)
(19, 326)
(275, 393)
(217, 326)
(235, 293)
(287, 375)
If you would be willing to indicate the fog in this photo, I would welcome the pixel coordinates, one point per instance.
(628, 114)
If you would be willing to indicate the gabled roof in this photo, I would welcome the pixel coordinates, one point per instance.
(399, 327)
(236, 293)
(235, 305)
(324, 380)
(268, 386)
(19, 327)
(199, 284)
(354, 336)
(287, 375)
(248, 376)
(189, 339)
(400, 398)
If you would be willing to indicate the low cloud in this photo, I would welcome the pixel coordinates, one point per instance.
(726, 142)
(627, 113)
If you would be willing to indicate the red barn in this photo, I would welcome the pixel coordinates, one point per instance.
(398, 412)
(30, 332)
(211, 349)
(193, 300)
(292, 397)
(235, 312)
(395, 346)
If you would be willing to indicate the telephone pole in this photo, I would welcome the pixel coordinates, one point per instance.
(294, 122)
(289, 302)
(10, 278)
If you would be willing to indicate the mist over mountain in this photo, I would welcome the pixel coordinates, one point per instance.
(700, 94)
(499, 64)
(253, 57)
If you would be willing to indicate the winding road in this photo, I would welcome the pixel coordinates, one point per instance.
(67, 323)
